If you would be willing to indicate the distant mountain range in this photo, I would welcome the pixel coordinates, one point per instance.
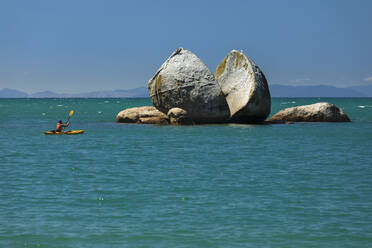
(132, 93)
(276, 90)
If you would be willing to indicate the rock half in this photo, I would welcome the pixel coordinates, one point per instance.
(245, 88)
(185, 82)
(318, 112)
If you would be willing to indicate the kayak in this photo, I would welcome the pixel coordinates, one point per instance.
(71, 132)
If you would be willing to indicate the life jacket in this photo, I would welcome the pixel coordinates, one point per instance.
(59, 127)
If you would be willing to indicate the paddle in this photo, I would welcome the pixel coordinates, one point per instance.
(69, 116)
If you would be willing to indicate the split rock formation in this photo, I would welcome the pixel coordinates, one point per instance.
(184, 91)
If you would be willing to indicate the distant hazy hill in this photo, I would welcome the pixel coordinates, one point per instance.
(276, 90)
(365, 89)
(9, 93)
(137, 92)
(45, 94)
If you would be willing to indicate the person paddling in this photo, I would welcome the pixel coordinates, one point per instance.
(61, 126)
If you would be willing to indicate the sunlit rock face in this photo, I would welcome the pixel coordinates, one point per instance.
(245, 88)
(184, 81)
(318, 112)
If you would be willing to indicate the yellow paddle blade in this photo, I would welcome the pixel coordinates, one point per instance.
(71, 113)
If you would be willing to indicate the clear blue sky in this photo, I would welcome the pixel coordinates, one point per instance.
(80, 46)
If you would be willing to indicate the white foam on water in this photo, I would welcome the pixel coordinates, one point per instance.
(99, 112)
(361, 106)
(59, 105)
(287, 102)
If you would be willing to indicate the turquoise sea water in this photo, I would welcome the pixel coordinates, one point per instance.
(127, 185)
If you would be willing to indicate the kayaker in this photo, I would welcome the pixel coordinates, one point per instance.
(61, 126)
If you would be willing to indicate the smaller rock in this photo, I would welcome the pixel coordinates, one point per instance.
(178, 116)
(278, 122)
(142, 115)
(318, 112)
(153, 120)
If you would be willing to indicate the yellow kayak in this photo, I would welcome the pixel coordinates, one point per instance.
(71, 132)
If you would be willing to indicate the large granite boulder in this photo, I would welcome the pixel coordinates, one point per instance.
(318, 112)
(245, 88)
(142, 115)
(185, 82)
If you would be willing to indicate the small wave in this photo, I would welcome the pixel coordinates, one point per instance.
(59, 105)
(43, 113)
(99, 112)
(361, 106)
(107, 101)
(287, 102)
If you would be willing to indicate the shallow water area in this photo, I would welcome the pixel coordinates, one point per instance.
(128, 185)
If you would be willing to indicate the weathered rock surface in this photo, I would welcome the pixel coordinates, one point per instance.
(179, 116)
(318, 112)
(245, 88)
(184, 81)
(142, 115)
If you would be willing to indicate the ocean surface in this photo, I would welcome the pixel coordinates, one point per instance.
(128, 185)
